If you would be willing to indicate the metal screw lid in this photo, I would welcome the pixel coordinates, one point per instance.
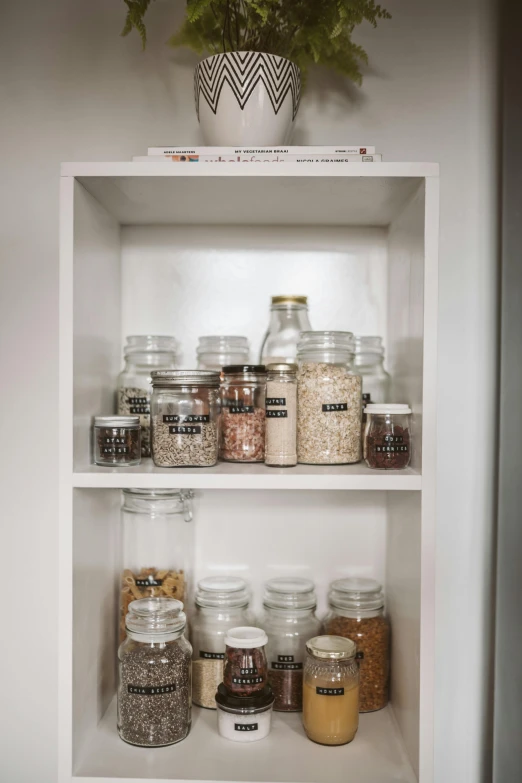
(167, 378)
(303, 300)
(124, 422)
(288, 368)
(331, 648)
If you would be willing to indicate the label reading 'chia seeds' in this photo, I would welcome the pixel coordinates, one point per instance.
(149, 582)
(333, 407)
(189, 418)
(281, 401)
(276, 414)
(393, 444)
(156, 690)
(241, 409)
(212, 656)
(246, 726)
(247, 680)
(181, 429)
(329, 691)
(138, 405)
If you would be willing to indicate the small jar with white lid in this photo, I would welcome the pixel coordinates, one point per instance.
(216, 351)
(117, 441)
(244, 719)
(245, 672)
(387, 436)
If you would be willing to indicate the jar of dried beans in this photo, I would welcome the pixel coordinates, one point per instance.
(117, 441)
(185, 416)
(245, 672)
(329, 398)
(216, 351)
(387, 438)
(357, 613)
(289, 622)
(281, 415)
(243, 392)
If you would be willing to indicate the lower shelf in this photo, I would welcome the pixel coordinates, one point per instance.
(286, 756)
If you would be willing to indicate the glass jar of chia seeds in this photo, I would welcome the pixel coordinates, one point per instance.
(117, 441)
(216, 351)
(243, 392)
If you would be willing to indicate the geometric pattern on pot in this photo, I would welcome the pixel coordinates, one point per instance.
(243, 71)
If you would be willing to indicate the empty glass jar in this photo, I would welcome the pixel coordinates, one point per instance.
(387, 437)
(216, 351)
(369, 364)
(243, 392)
(288, 317)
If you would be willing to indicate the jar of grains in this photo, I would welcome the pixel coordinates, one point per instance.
(289, 622)
(329, 400)
(216, 351)
(245, 672)
(357, 613)
(221, 604)
(387, 439)
(143, 354)
(117, 441)
(243, 392)
(281, 414)
(154, 690)
(331, 690)
(185, 417)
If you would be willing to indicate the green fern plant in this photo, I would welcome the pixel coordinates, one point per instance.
(304, 31)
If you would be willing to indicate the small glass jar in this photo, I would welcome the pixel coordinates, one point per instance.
(245, 672)
(117, 441)
(369, 364)
(331, 691)
(357, 613)
(143, 353)
(281, 415)
(330, 403)
(387, 438)
(288, 317)
(221, 604)
(216, 351)
(289, 622)
(185, 417)
(154, 690)
(243, 392)
(244, 719)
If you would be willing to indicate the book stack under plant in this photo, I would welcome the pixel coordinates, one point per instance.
(312, 154)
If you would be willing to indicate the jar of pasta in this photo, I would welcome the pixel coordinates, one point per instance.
(243, 392)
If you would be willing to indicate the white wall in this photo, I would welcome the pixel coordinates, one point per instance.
(71, 89)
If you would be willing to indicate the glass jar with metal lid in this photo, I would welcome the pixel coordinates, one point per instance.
(288, 317)
(185, 417)
(281, 415)
(243, 392)
(117, 441)
(289, 622)
(331, 690)
(216, 351)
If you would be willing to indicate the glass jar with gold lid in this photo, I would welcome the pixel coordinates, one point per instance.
(288, 317)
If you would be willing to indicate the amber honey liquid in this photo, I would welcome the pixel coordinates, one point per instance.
(330, 719)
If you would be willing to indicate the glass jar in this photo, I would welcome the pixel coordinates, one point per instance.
(117, 441)
(143, 353)
(357, 613)
(185, 417)
(216, 351)
(369, 364)
(244, 719)
(387, 439)
(331, 691)
(329, 393)
(245, 672)
(243, 392)
(288, 317)
(221, 604)
(157, 545)
(289, 622)
(281, 415)
(154, 689)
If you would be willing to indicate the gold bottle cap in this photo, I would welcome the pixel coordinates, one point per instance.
(332, 648)
(290, 300)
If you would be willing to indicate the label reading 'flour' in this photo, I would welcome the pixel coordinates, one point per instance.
(246, 726)
(189, 418)
(329, 691)
(212, 656)
(183, 429)
(276, 414)
(333, 407)
(281, 401)
(157, 690)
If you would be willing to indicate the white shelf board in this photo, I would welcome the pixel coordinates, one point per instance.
(286, 756)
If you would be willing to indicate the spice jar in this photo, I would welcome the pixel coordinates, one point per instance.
(288, 318)
(387, 440)
(154, 693)
(221, 604)
(216, 351)
(329, 400)
(289, 622)
(244, 719)
(281, 415)
(357, 613)
(117, 441)
(243, 392)
(331, 691)
(185, 417)
(245, 672)
(143, 353)
(157, 545)
(369, 364)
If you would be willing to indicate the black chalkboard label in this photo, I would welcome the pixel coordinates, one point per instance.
(157, 690)
(246, 726)
(149, 582)
(366, 398)
(240, 408)
(333, 407)
(185, 429)
(247, 680)
(276, 414)
(388, 448)
(329, 691)
(289, 667)
(189, 418)
(212, 656)
(114, 450)
(281, 401)
(252, 670)
(359, 655)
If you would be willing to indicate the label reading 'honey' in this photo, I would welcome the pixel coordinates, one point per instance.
(329, 691)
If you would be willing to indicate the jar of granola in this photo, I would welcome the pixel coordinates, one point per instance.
(243, 393)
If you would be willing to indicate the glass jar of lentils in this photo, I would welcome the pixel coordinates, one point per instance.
(117, 441)
(281, 415)
(243, 393)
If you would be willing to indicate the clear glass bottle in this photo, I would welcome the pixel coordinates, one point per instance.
(216, 351)
(289, 622)
(330, 400)
(387, 437)
(157, 545)
(116, 441)
(369, 364)
(143, 353)
(281, 415)
(288, 317)
(154, 689)
(357, 613)
(222, 603)
(243, 392)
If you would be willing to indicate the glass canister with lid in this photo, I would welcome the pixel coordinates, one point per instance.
(289, 622)
(329, 400)
(387, 437)
(216, 351)
(243, 392)
(369, 364)
(288, 317)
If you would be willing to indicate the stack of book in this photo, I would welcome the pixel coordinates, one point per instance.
(331, 154)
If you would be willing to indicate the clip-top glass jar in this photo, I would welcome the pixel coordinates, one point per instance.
(216, 351)
(143, 353)
(289, 622)
(117, 441)
(281, 415)
(245, 672)
(369, 364)
(357, 613)
(243, 392)
(330, 400)
(387, 438)
(154, 690)
(288, 317)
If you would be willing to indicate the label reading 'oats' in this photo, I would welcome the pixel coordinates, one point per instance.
(333, 407)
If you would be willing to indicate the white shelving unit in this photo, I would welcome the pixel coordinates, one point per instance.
(193, 249)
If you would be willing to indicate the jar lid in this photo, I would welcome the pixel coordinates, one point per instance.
(222, 591)
(168, 378)
(236, 369)
(391, 408)
(213, 340)
(332, 648)
(155, 616)
(290, 593)
(245, 636)
(356, 593)
(303, 300)
(368, 344)
(126, 422)
(245, 705)
(289, 368)
(159, 494)
(321, 341)
(150, 343)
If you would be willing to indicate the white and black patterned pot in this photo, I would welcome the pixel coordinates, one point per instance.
(247, 99)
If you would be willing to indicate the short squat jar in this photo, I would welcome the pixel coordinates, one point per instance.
(243, 393)
(154, 690)
(244, 719)
(117, 441)
(289, 622)
(387, 436)
(216, 351)
(185, 417)
(245, 672)
(281, 415)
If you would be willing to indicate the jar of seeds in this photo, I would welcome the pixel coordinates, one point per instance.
(185, 415)
(243, 392)
(281, 415)
(154, 689)
(117, 441)
(329, 397)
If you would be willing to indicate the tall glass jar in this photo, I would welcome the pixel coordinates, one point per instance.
(222, 603)
(330, 400)
(289, 622)
(288, 317)
(357, 613)
(143, 354)
(157, 545)
(154, 690)
(369, 364)
(216, 351)
(243, 392)
(281, 415)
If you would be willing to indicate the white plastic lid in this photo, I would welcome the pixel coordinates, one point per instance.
(375, 407)
(246, 636)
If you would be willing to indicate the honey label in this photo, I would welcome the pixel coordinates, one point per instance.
(329, 691)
